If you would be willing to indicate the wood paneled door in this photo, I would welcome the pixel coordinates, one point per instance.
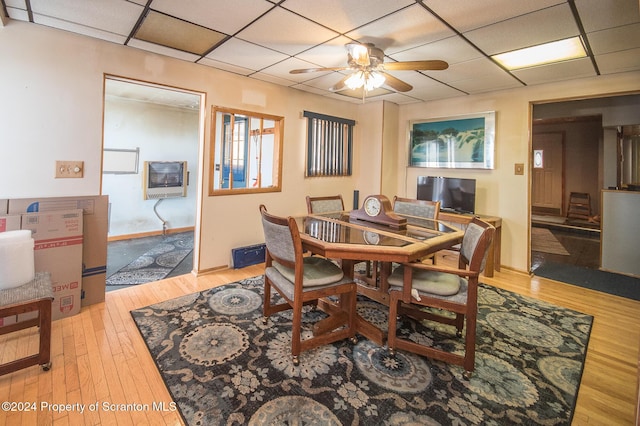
(548, 162)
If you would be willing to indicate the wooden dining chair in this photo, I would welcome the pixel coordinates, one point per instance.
(304, 280)
(414, 286)
(420, 208)
(326, 204)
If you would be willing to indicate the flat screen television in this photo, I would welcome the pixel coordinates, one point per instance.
(455, 194)
(165, 179)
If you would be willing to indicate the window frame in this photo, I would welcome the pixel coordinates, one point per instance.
(217, 141)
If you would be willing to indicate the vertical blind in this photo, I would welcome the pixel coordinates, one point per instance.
(329, 145)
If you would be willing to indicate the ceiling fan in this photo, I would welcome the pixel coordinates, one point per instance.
(368, 66)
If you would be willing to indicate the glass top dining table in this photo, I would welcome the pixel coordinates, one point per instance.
(337, 236)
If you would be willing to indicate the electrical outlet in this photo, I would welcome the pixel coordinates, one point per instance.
(69, 169)
(519, 169)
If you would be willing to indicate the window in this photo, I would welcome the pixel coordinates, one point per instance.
(246, 152)
(329, 145)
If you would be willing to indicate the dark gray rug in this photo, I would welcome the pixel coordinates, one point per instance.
(594, 279)
(223, 366)
(156, 263)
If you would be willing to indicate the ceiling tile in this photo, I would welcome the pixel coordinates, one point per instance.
(286, 32)
(162, 50)
(431, 90)
(225, 67)
(117, 16)
(598, 14)
(615, 39)
(451, 50)
(554, 23)
(402, 30)
(465, 15)
(281, 69)
(273, 79)
(79, 29)
(330, 54)
(344, 15)
(623, 61)
(225, 16)
(18, 4)
(469, 70)
(247, 55)
(576, 68)
(487, 83)
(323, 82)
(18, 14)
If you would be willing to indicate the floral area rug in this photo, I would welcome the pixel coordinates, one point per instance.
(156, 263)
(223, 366)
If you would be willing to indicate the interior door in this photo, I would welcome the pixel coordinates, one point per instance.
(547, 187)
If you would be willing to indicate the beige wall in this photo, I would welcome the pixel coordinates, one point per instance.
(52, 102)
(499, 191)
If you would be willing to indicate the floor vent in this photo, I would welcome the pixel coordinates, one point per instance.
(249, 255)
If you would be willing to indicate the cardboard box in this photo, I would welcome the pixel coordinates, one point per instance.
(4, 206)
(10, 222)
(58, 250)
(96, 226)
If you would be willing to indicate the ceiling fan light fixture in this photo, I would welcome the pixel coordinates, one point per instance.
(355, 80)
(359, 53)
(373, 81)
(369, 79)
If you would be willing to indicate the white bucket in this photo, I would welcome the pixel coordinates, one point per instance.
(16, 258)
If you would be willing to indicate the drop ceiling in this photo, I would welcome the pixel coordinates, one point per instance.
(264, 40)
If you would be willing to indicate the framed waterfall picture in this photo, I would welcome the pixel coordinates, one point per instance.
(461, 142)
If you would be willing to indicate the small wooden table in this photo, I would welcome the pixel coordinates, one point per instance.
(335, 236)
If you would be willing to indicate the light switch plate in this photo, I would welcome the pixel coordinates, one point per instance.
(69, 169)
(519, 169)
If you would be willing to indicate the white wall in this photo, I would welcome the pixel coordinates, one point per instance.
(162, 133)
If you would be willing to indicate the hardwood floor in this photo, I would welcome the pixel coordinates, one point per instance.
(99, 356)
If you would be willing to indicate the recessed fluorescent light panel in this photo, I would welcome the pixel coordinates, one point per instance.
(557, 51)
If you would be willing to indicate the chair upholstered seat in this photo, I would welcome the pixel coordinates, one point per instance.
(288, 288)
(432, 282)
(317, 271)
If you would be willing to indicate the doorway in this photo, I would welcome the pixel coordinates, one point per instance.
(147, 124)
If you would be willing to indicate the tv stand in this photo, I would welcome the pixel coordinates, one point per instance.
(460, 220)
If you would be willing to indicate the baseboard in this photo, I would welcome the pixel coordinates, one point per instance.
(149, 234)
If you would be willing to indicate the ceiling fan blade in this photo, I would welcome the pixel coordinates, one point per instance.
(396, 84)
(340, 85)
(416, 65)
(305, 70)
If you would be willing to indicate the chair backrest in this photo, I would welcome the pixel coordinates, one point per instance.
(475, 245)
(419, 208)
(328, 204)
(282, 239)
